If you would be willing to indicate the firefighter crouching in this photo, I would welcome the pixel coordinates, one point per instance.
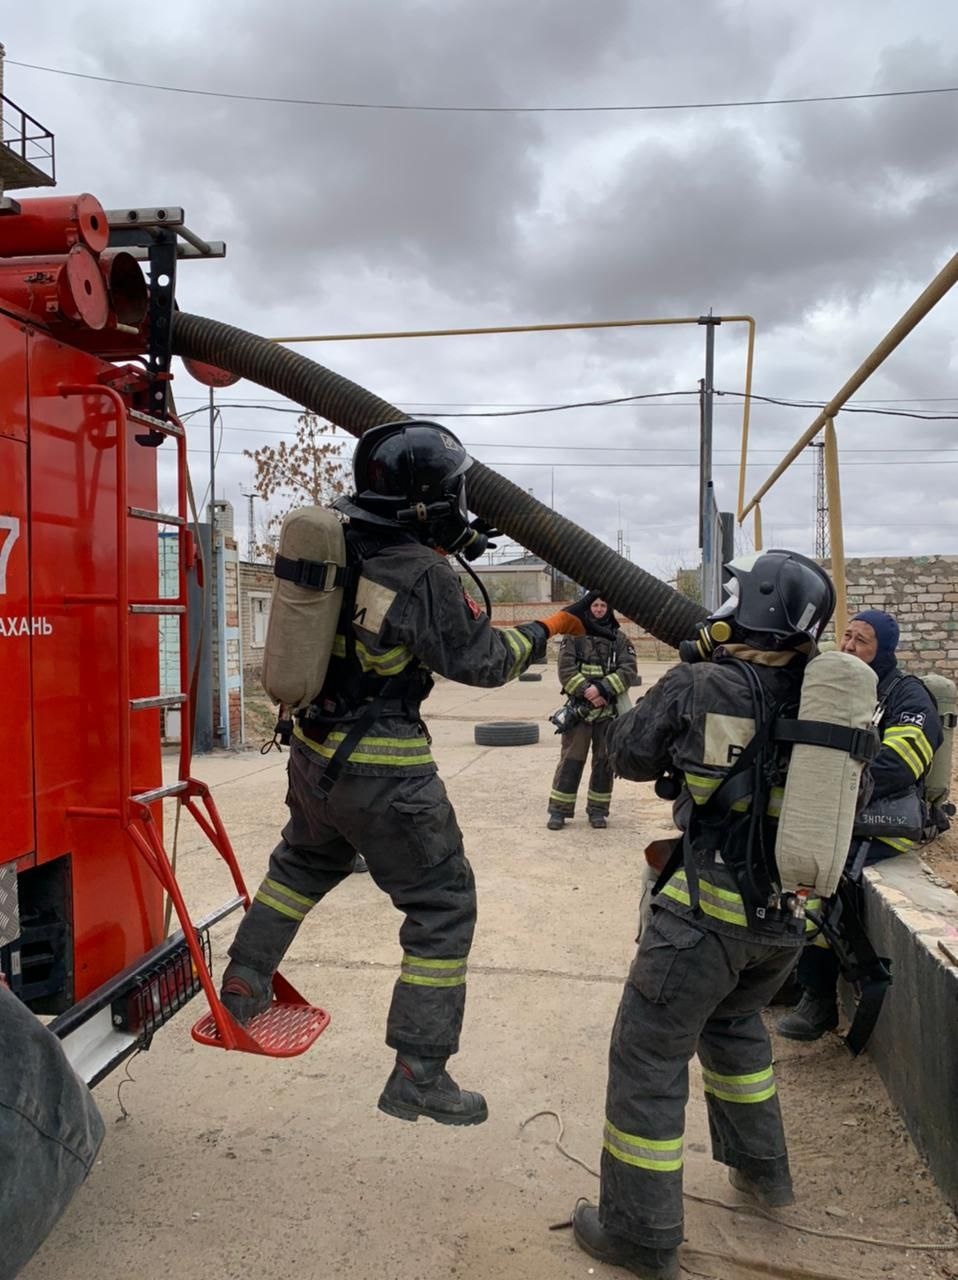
(719, 942)
(911, 734)
(594, 670)
(361, 774)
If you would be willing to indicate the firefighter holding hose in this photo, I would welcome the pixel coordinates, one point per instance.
(361, 774)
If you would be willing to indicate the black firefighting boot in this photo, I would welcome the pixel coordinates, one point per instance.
(423, 1087)
(359, 864)
(772, 1195)
(616, 1251)
(811, 1018)
(556, 821)
(598, 820)
(262, 939)
(245, 992)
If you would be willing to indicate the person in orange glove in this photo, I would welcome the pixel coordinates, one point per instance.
(361, 774)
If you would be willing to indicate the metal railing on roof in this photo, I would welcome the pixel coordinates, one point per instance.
(28, 156)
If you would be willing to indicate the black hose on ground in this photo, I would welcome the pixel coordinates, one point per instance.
(666, 614)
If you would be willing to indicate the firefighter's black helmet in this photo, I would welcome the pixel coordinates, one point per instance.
(781, 593)
(411, 473)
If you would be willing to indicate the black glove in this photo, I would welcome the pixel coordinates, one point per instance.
(483, 526)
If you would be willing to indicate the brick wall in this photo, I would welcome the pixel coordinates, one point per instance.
(922, 593)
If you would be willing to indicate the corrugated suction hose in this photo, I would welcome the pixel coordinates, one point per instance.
(666, 614)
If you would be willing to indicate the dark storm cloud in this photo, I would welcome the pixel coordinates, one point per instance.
(823, 221)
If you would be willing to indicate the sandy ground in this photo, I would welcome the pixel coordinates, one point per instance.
(227, 1167)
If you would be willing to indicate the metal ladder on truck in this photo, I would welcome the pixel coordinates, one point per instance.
(290, 1025)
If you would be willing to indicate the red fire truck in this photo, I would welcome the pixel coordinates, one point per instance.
(85, 372)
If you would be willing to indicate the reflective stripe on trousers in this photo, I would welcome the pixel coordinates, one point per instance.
(568, 775)
(690, 990)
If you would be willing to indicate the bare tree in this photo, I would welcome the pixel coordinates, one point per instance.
(308, 469)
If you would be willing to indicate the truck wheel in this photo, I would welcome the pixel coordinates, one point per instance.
(506, 733)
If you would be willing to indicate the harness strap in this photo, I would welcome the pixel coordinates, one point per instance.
(364, 720)
(861, 966)
(861, 744)
(315, 575)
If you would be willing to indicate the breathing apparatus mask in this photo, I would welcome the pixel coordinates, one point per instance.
(717, 629)
(446, 526)
(571, 713)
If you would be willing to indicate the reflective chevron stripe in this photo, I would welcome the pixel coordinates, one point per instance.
(521, 647)
(658, 1155)
(295, 906)
(758, 1086)
(721, 904)
(369, 750)
(418, 972)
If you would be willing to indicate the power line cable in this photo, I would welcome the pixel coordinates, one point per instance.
(344, 105)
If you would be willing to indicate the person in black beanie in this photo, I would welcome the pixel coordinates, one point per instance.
(911, 734)
(594, 670)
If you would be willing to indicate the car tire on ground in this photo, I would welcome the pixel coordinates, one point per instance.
(530, 675)
(635, 682)
(506, 733)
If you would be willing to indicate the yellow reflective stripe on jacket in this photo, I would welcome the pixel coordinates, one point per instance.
(521, 647)
(721, 904)
(757, 1086)
(899, 843)
(915, 736)
(389, 663)
(659, 1155)
(615, 683)
(369, 750)
(295, 906)
(592, 668)
(909, 742)
(418, 972)
(701, 787)
(575, 682)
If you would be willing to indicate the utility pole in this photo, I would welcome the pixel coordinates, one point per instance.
(711, 553)
(250, 535)
(211, 585)
(822, 547)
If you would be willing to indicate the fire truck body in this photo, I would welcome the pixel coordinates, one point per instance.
(82, 907)
(86, 885)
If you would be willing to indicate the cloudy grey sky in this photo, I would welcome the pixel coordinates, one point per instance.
(823, 220)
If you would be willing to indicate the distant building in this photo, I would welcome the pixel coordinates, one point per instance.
(523, 580)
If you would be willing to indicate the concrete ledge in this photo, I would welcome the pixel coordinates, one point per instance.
(915, 1045)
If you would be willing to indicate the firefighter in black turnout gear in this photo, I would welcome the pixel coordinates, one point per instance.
(720, 940)
(361, 773)
(594, 670)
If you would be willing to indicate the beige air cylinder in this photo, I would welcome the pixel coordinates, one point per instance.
(821, 789)
(938, 778)
(302, 621)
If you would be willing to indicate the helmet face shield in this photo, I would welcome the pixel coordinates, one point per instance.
(782, 593)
